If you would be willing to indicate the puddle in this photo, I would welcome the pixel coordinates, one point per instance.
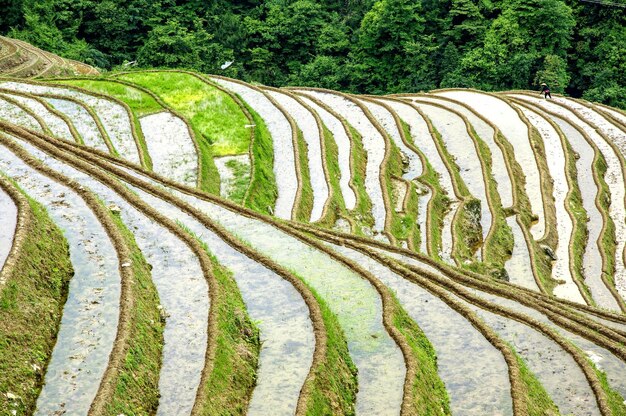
(516, 132)
(56, 124)
(447, 241)
(308, 125)
(84, 123)
(343, 150)
(90, 316)
(613, 177)
(8, 219)
(185, 335)
(171, 149)
(461, 147)
(374, 146)
(486, 133)
(11, 113)
(114, 117)
(473, 370)
(280, 130)
(386, 119)
(555, 159)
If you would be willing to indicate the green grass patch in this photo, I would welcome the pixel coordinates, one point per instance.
(31, 306)
(616, 402)
(580, 235)
(217, 118)
(230, 384)
(141, 103)
(538, 400)
(499, 243)
(305, 205)
(362, 213)
(336, 206)
(334, 386)
(263, 192)
(240, 182)
(137, 387)
(428, 391)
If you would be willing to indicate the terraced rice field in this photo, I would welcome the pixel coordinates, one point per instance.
(183, 244)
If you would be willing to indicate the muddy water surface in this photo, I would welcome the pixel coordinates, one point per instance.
(84, 123)
(90, 315)
(473, 370)
(516, 132)
(275, 306)
(56, 124)
(184, 298)
(343, 150)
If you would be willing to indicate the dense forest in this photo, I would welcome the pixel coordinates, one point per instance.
(365, 46)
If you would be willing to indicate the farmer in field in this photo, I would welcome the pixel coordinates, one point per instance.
(545, 90)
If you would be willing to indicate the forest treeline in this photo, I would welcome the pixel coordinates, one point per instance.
(364, 46)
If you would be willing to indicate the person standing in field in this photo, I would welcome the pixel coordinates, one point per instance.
(545, 90)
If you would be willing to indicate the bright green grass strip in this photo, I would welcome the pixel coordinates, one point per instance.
(230, 384)
(31, 305)
(429, 393)
(306, 196)
(337, 206)
(362, 212)
(142, 103)
(263, 191)
(239, 185)
(334, 387)
(499, 244)
(214, 114)
(607, 238)
(617, 404)
(137, 386)
(403, 224)
(542, 263)
(466, 227)
(580, 235)
(538, 400)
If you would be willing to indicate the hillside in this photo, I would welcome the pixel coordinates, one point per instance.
(357, 46)
(180, 243)
(21, 60)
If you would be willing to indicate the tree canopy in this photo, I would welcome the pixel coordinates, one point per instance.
(364, 46)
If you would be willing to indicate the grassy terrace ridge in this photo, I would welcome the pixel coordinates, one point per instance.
(262, 192)
(136, 389)
(31, 306)
(362, 212)
(336, 207)
(213, 114)
(305, 206)
(437, 206)
(141, 103)
(233, 376)
(499, 243)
